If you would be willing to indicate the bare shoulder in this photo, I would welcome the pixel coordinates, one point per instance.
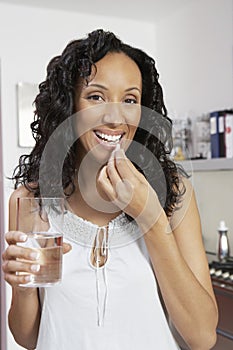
(20, 192)
(186, 208)
(186, 185)
(187, 191)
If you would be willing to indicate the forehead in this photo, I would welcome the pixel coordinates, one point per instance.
(117, 67)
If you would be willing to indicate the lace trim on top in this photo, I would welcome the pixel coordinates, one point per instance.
(121, 231)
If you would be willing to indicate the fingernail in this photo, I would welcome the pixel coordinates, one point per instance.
(34, 255)
(23, 237)
(120, 153)
(28, 278)
(118, 147)
(35, 268)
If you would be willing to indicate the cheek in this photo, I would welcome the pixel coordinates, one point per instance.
(133, 115)
(134, 123)
(82, 129)
(132, 132)
(86, 120)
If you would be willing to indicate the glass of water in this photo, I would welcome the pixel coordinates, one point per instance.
(42, 220)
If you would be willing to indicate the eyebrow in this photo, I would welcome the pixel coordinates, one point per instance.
(105, 88)
(97, 85)
(133, 88)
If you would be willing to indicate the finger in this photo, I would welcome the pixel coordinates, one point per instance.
(124, 166)
(121, 177)
(13, 266)
(123, 188)
(105, 183)
(124, 191)
(15, 251)
(112, 156)
(120, 190)
(66, 247)
(13, 237)
(112, 173)
(15, 280)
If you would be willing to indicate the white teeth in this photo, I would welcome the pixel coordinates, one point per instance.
(109, 138)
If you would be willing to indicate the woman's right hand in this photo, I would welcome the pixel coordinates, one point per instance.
(19, 263)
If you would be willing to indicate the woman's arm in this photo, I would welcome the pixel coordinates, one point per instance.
(176, 250)
(181, 268)
(24, 316)
(24, 313)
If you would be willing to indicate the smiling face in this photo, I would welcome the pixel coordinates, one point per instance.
(108, 106)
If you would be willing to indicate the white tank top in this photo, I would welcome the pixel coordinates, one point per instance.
(113, 307)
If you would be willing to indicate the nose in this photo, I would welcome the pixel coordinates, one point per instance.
(113, 114)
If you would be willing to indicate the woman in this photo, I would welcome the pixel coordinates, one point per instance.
(143, 216)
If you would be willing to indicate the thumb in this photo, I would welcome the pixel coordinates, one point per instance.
(66, 248)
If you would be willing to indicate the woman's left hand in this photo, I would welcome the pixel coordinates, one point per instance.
(127, 188)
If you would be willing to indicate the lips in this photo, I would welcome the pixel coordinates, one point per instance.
(109, 138)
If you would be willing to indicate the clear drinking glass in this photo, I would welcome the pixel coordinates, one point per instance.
(42, 220)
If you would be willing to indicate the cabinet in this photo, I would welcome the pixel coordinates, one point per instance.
(223, 343)
(213, 164)
(224, 298)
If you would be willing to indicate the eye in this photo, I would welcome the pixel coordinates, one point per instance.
(95, 97)
(130, 101)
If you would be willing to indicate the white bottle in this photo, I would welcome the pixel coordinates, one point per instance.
(223, 249)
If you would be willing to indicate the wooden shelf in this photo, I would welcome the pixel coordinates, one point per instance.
(214, 164)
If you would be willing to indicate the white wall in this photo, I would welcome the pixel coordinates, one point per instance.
(194, 50)
(214, 192)
(29, 37)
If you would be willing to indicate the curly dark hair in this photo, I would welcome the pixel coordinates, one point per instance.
(55, 103)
